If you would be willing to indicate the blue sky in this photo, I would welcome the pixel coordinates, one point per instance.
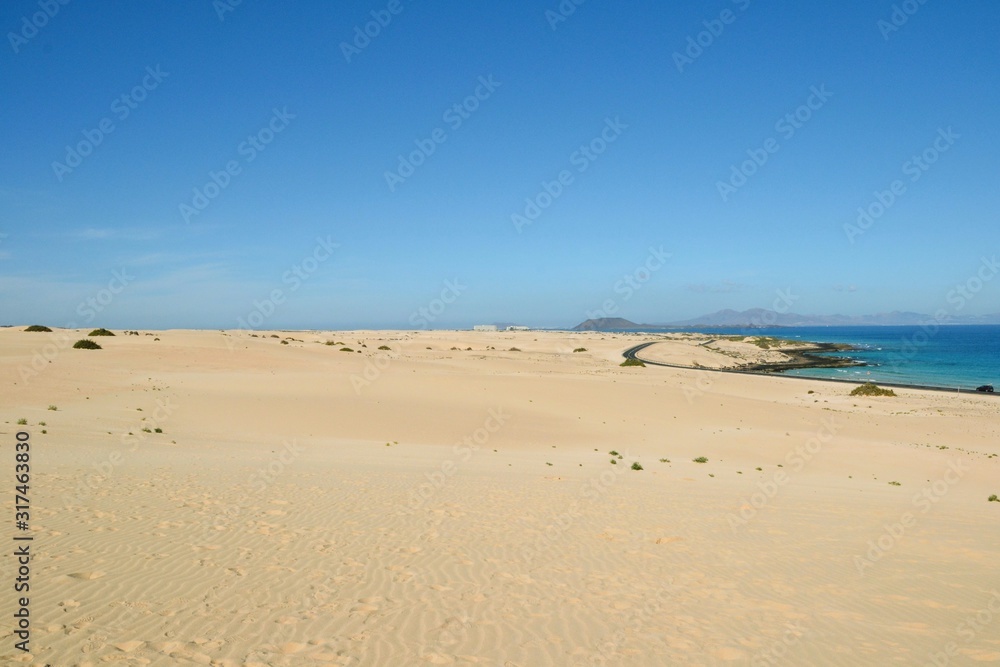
(329, 122)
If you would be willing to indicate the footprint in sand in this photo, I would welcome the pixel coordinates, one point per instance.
(128, 647)
(289, 648)
(366, 605)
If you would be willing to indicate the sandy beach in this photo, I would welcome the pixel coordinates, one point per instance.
(307, 498)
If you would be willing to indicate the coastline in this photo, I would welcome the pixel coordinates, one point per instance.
(805, 358)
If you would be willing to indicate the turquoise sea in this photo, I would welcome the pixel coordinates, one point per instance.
(953, 357)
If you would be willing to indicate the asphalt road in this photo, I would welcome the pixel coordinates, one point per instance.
(632, 353)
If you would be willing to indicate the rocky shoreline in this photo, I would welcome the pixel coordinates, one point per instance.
(805, 356)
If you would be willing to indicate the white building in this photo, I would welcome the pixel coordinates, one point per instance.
(485, 327)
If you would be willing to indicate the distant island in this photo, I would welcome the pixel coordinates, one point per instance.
(756, 318)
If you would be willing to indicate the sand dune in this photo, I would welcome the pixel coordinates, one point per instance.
(433, 504)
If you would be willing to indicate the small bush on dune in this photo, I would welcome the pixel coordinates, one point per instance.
(346, 349)
(101, 332)
(636, 466)
(993, 499)
(633, 362)
(384, 347)
(84, 344)
(871, 389)
(38, 327)
(700, 459)
(580, 349)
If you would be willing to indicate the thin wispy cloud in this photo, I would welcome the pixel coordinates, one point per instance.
(113, 234)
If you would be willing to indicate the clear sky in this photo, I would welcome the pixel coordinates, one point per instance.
(205, 164)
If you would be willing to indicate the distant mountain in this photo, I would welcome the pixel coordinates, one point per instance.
(760, 317)
(607, 324)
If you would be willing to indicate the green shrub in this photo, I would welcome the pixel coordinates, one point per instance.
(22, 422)
(158, 430)
(53, 408)
(993, 499)
(636, 466)
(346, 349)
(580, 349)
(514, 349)
(700, 459)
(284, 342)
(85, 344)
(633, 362)
(871, 389)
(38, 327)
(101, 332)
(384, 347)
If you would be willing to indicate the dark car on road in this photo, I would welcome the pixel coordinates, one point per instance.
(988, 388)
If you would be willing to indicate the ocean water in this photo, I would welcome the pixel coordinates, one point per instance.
(953, 357)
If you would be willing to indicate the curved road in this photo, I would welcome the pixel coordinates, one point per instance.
(631, 353)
